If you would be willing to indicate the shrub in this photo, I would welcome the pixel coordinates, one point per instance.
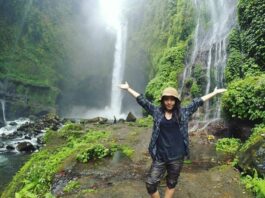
(144, 122)
(256, 184)
(228, 145)
(71, 185)
(245, 99)
(169, 67)
(254, 138)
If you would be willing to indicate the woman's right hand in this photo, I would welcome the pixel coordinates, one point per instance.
(124, 86)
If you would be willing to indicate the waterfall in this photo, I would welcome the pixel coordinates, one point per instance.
(3, 110)
(209, 47)
(187, 69)
(118, 69)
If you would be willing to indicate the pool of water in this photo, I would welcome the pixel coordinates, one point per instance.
(10, 163)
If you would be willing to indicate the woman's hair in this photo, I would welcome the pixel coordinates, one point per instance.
(176, 108)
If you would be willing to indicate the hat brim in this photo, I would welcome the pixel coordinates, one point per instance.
(171, 96)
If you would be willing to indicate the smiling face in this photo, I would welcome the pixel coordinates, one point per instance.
(169, 102)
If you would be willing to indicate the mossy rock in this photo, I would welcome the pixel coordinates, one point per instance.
(252, 153)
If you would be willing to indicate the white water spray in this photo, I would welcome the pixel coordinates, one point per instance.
(209, 48)
(118, 69)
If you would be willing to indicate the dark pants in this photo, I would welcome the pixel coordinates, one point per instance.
(158, 170)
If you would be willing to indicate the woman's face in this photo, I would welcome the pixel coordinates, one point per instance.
(169, 102)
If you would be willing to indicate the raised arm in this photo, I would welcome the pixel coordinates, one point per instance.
(126, 86)
(146, 104)
(210, 95)
(197, 102)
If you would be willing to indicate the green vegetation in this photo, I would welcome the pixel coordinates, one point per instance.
(255, 184)
(238, 64)
(245, 98)
(170, 66)
(244, 157)
(228, 145)
(250, 17)
(164, 35)
(98, 151)
(71, 185)
(144, 122)
(255, 137)
(35, 177)
(245, 76)
(245, 65)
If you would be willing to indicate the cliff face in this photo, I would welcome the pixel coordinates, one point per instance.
(31, 55)
(57, 54)
(160, 34)
(51, 52)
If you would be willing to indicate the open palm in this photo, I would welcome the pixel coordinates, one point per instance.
(124, 86)
(219, 90)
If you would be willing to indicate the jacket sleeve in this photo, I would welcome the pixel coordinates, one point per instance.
(193, 106)
(146, 104)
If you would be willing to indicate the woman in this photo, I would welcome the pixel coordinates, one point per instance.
(169, 141)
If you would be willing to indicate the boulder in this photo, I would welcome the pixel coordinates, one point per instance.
(254, 157)
(121, 120)
(13, 123)
(99, 120)
(240, 128)
(40, 140)
(10, 147)
(25, 146)
(27, 137)
(130, 117)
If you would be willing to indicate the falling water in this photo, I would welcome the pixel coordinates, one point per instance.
(3, 110)
(187, 69)
(118, 69)
(209, 48)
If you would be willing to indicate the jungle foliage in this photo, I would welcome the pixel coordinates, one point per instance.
(73, 141)
(245, 98)
(245, 65)
(164, 32)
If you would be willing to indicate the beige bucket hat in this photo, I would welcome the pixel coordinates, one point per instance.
(170, 91)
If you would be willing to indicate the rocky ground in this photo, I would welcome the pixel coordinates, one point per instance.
(207, 175)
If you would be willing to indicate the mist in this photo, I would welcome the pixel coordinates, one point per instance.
(87, 77)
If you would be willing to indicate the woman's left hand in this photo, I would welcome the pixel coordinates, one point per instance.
(217, 91)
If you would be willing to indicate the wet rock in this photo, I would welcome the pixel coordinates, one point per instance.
(27, 137)
(10, 147)
(48, 121)
(99, 120)
(240, 128)
(254, 157)
(40, 140)
(2, 145)
(130, 117)
(13, 123)
(121, 120)
(65, 120)
(25, 146)
(3, 135)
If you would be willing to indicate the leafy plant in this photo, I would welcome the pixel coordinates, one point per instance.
(245, 98)
(254, 138)
(71, 185)
(99, 151)
(96, 151)
(254, 183)
(144, 122)
(35, 177)
(228, 145)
